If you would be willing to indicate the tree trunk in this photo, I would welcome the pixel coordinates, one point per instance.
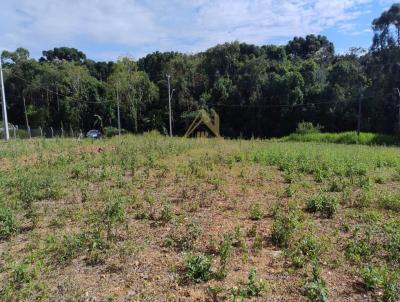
(26, 114)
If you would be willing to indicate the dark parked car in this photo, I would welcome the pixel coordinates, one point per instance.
(94, 134)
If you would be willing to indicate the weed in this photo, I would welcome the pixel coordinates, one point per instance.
(380, 278)
(184, 240)
(315, 287)
(258, 243)
(8, 223)
(372, 277)
(166, 214)
(358, 250)
(198, 268)
(283, 227)
(326, 204)
(252, 232)
(391, 202)
(253, 287)
(307, 249)
(256, 212)
(224, 251)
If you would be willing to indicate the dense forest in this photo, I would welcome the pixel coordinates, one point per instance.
(259, 91)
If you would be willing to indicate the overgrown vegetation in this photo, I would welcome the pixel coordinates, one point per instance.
(198, 218)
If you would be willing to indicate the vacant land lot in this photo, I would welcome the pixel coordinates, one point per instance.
(149, 218)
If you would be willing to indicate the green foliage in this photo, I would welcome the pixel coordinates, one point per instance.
(198, 267)
(326, 204)
(256, 212)
(283, 227)
(8, 223)
(224, 251)
(307, 249)
(307, 128)
(391, 201)
(380, 278)
(315, 287)
(344, 138)
(252, 288)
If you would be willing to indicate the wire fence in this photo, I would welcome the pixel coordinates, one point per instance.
(17, 132)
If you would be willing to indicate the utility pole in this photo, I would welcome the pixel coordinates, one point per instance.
(3, 95)
(118, 115)
(169, 104)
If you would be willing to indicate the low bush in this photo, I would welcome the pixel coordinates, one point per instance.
(252, 288)
(326, 204)
(198, 267)
(283, 227)
(8, 223)
(315, 287)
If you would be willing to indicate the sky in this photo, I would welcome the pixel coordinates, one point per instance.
(108, 29)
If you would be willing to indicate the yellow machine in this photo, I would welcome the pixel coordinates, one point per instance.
(211, 121)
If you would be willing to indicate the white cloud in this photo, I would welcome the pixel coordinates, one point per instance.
(101, 26)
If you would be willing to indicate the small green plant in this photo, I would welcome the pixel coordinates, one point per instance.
(283, 227)
(198, 268)
(391, 202)
(8, 223)
(252, 232)
(326, 204)
(253, 287)
(315, 287)
(224, 251)
(184, 240)
(166, 214)
(380, 278)
(358, 250)
(372, 277)
(256, 212)
(307, 249)
(113, 213)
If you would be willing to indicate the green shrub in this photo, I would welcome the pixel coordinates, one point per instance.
(307, 128)
(256, 212)
(372, 277)
(307, 249)
(358, 250)
(326, 204)
(283, 227)
(380, 278)
(391, 202)
(112, 131)
(8, 223)
(253, 287)
(198, 267)
(224, 251)
(315, 288)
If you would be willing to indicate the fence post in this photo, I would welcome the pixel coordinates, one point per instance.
(52, 132)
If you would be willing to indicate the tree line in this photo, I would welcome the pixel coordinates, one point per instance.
(259, 91)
